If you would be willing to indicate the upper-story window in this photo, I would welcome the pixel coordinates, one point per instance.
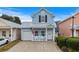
(45, 18)
(42, 18)
(39, 18)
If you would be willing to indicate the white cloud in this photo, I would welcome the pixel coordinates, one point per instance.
(22, 16)
(61, 17)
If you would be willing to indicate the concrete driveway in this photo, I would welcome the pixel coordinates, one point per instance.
(29, 46)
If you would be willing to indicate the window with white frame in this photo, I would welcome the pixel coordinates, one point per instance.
(36, 33)
(39, 18)
(4, 33)
(42, 18)
(42, 33)
(45, 18)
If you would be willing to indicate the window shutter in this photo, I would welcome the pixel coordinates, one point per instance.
(39, 18)
(45, 18)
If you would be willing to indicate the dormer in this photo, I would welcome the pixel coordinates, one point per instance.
(42, 16)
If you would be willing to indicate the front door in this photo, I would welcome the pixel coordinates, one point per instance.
(49, 35)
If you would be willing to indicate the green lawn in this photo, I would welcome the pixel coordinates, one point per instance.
(9, 45)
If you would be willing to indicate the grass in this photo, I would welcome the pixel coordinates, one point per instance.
(9, 45)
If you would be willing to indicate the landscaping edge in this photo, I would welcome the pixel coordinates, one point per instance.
(9, 45)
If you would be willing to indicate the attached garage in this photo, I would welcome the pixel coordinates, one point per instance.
(26, 34)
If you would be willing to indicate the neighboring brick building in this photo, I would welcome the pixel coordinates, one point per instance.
(65, 27)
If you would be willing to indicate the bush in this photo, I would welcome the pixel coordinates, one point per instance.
(73, 43)
(61, 41)
(64, 48)
(71, 50)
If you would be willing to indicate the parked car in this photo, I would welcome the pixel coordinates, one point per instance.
(3, 41)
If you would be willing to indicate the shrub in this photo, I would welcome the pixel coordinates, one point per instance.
(64, 48)
(73, 43)
(71, 50)
(61, 41)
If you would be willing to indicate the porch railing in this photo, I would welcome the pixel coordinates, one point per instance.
(39, 38)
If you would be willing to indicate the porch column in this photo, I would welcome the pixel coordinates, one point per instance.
(11, 34)
(46, 34)
(32, 34)
(53, 34)
(75, 34)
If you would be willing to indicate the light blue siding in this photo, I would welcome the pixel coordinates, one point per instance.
(50, 18)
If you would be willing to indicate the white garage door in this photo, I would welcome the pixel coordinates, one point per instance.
(26, 35)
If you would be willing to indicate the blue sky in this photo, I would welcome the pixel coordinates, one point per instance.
(25, 13)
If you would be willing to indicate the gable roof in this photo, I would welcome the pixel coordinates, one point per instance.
(10, 24)
(69, 17)
(42, 8)
(66, 19)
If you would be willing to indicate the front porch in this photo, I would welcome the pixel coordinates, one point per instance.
(75, 30)
(9, 29)
(8, 33)
(43, 34)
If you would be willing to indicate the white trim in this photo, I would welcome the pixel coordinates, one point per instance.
(53, 34)
(75, 34)
(11, 34)
(32, 35)
(46, 34)
(40, 10)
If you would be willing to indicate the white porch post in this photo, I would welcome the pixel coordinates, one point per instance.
(75, 34)
(11, 34)
(32, 36)
(53, 34)
(46, 33)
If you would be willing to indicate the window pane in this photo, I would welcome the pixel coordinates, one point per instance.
(4, 33)
(45, 18)
(39, 18)
(36, 33)
(43, 33)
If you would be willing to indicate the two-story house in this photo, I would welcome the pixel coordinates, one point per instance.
(42, 27)
(65, 27)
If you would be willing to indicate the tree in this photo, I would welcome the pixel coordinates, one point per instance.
(17, 20)
(11, 18)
